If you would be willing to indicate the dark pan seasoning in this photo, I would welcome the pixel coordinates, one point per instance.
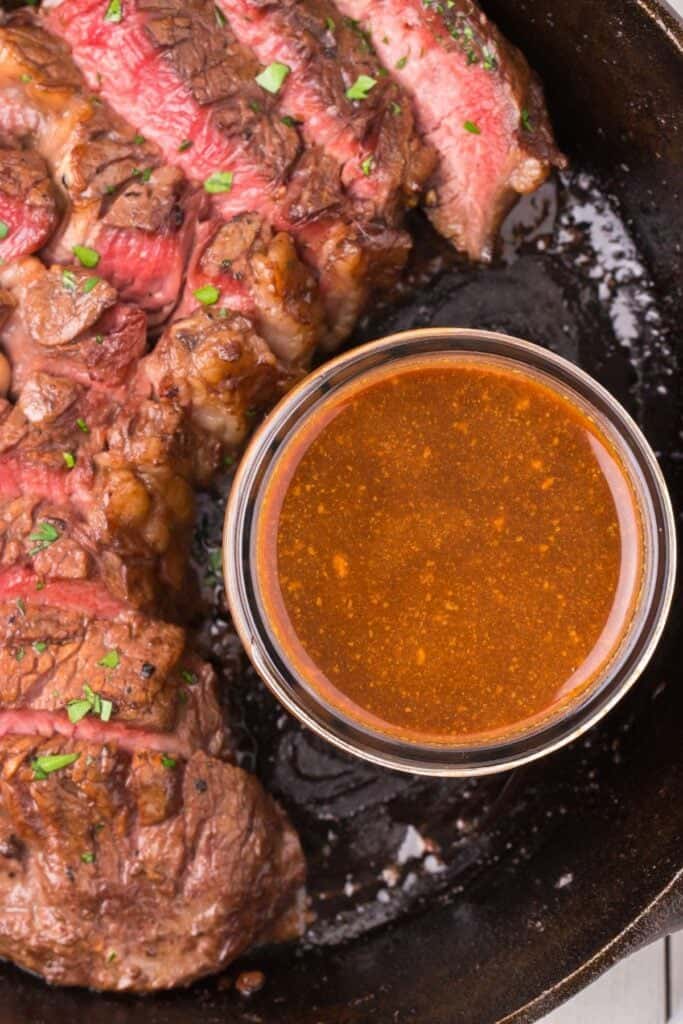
(489, 859)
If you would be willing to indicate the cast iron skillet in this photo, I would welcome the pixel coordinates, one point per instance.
(446, 902)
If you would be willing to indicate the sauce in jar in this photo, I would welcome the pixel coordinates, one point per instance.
(450, 551)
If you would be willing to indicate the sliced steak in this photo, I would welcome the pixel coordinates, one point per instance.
(382, 161)
(147, 871)
(140, 236)
(192, 87)
(476, 102)
(28, 211)
(48, 656)
(68, 322)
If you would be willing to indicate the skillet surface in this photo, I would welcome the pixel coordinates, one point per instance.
(444, 901)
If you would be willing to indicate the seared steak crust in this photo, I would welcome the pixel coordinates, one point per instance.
(182, 74)
(149, 859)
(380, 158)
(28, 211)
(476, 102)
(121, 855)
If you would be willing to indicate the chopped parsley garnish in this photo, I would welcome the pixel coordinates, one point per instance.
(395, 108)
(39, 646)
(90, 283)
(273, 77)
(82, 425)
(138, 140)
(143, 173)
(189, 677)
(69, 459)
(168, 762)
(185, 144)
(40, 584)
(78, 709)
(525, 120)
(361, 88)
(69, 280)
(401, 63)
(255, 106)
(367, 165)
(88, 857)
(470, 126)
(219, 181)
(48, 763)
(99, 338)
(290, 121)
(26, 78)
(114, 11)
(228, 461)
(110, 660)
(208, 295)
(111, 956)
(489, 63)
(19, 654)
(90, 702)
(21, 606)
(43, 536)
(4, 230)
(220, 17)
(330, 25)
(86, 256)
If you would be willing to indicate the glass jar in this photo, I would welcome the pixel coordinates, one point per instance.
(514, 748)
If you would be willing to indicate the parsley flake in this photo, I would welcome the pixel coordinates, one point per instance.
(69, 459)
(208, 295)
(219, 181)
(110, 660)
(4, 230)
(86, 256)
(69, 280)
(367, 165)
(168, 762)
(114, 11)
(273, 77)
(82, 425)
(361, 88)
(48, 763)
(90, 283)
(44, 535)
(185, 144)
(470, 126)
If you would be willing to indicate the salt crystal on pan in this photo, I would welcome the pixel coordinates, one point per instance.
(412, 846)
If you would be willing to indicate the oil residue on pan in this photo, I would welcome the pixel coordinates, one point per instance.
(382, 845)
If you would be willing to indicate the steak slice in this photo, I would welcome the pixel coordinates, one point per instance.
(69, 323)
(382, 161)
(49, 655)
(136, 870)
(192, 88)
(28, 212)
(476, 102)
(141, 231)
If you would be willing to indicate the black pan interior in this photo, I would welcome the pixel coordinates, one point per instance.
(472, 902)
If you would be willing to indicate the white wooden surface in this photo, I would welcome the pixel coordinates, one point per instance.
(645, 989)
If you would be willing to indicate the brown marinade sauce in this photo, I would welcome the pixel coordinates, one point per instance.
(450, 551)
